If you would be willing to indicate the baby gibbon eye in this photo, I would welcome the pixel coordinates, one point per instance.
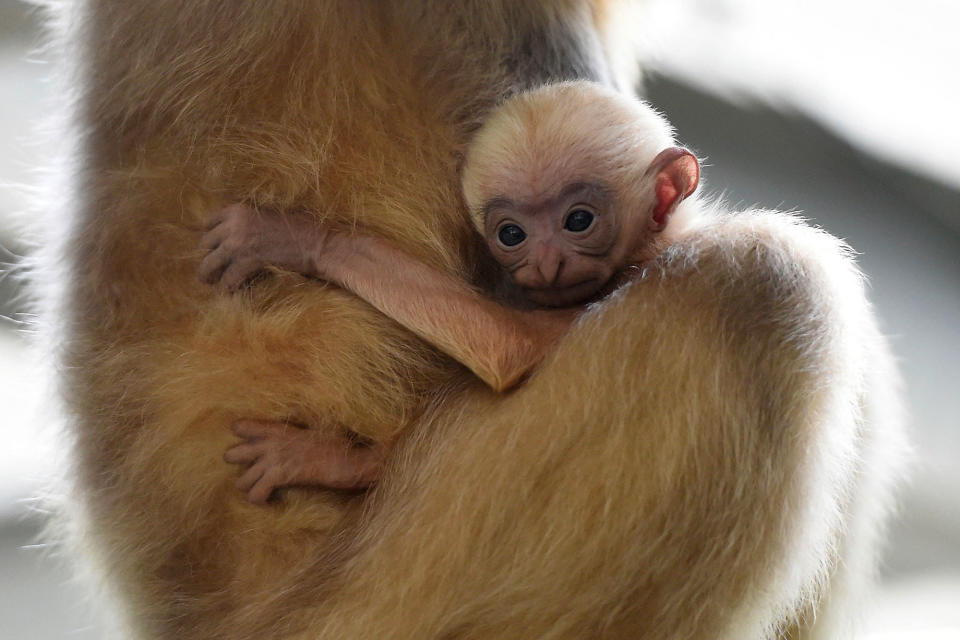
(578, 220)
(510, 235)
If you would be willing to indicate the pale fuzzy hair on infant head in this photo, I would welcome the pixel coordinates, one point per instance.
(540, 140)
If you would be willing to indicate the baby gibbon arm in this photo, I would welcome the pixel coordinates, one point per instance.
(499, 344)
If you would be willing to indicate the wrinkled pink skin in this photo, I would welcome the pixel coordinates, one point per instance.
(282, 455)
(242, 241)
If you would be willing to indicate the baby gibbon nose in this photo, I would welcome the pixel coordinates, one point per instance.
(548, 262)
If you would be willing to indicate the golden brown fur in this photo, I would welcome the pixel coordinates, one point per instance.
(665, 475)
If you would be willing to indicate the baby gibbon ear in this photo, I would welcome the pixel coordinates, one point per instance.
(677, 173)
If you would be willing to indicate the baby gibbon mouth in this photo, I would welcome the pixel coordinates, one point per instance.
(565, 296)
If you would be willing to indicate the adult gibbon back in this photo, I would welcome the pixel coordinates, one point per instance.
(584, 505)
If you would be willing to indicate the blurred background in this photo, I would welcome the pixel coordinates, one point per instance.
(845, 110)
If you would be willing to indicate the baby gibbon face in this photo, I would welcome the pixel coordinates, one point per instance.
(560, 249)
(571, 183)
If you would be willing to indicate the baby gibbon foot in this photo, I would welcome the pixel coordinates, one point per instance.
(279, 454)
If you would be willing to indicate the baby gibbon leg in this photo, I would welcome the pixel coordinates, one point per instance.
(277, 454)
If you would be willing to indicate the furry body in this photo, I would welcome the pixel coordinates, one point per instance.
(683, 466)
